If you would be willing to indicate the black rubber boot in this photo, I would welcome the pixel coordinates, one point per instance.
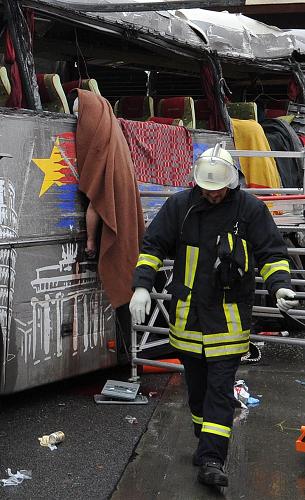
(212, 473)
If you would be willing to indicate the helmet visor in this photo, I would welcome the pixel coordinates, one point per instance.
(214, 173)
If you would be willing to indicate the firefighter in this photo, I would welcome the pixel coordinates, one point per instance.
(214, 231)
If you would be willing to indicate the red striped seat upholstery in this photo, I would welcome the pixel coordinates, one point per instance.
(178, 107)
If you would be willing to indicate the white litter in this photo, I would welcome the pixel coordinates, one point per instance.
(16, 479)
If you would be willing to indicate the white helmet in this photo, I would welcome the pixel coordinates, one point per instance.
(214, 169)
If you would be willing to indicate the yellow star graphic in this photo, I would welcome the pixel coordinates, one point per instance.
(50, 167)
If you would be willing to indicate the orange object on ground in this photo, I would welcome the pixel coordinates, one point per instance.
(300, 442)
(159, 369)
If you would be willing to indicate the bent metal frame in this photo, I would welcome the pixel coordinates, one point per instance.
(140, 334)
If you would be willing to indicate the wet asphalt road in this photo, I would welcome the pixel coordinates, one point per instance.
(101, 444)
(99, 440)
(262, 462)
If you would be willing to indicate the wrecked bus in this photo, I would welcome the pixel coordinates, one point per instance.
(56, 321)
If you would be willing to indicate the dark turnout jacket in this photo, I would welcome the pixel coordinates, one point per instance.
(211, 304)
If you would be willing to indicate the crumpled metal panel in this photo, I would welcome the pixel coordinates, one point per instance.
(238, 36)
(232, 35)
(157, 23)
(299, 36)
(163, 23)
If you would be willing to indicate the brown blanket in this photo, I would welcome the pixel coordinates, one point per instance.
(107, 178)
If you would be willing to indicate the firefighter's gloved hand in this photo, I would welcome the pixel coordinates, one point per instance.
(139, 305)
(284, 299)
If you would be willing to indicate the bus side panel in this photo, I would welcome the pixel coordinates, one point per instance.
(55, 318)
(61, 320)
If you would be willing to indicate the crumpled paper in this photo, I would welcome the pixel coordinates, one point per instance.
(44, 441)
(15, 479)
(131, 420)
(241, 393)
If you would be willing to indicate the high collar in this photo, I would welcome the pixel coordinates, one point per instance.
(201, 203)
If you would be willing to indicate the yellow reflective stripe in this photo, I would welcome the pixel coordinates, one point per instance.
(197, 420)
(230, 239)
(212, 428)
(183, 306)
(232, 317)
(190, 265)
(246, 255)
(182, 309)
(268, 269)
(217, 338)
(226, 350)
(185, 346)
(149, 260)
(186, 334)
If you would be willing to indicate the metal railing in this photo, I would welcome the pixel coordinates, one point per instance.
(160, 297)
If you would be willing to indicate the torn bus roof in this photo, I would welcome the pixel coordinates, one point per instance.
(230, 35)
(239, 36)
(162, 26)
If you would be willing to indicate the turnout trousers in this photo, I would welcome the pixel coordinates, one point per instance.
(211, 401)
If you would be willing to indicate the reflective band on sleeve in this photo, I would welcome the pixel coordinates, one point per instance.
(232, 317)
(220, 430)
(230, 239)
(197, 420)
(146, 259)
(246, 255)
(183, 306)
(268, 269)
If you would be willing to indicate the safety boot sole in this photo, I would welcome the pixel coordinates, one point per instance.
(213, 479)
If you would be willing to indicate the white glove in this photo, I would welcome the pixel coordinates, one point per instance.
(139, 305)
(283, 302)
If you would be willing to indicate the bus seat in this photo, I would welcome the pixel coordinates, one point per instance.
(52, 95)
(178, 107)
(166, 121)
(87, 84)
(242, 110)
(274, 113)
(202, 112)
(5, 86)
(276, 108)
(135, 107)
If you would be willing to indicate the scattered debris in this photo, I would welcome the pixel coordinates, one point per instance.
(152, 394)
(16, 479)
(283, 333)
(51, 440)
(302, 382)
(120, 390)
(282, 427)
(241, 393)
(131, 420)
(241, 416)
